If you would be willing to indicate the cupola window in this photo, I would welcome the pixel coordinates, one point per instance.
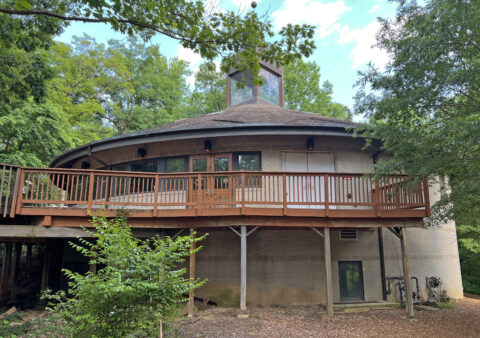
(241, 95)
(270, 89)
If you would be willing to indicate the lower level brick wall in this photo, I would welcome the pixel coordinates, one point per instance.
(284, 266)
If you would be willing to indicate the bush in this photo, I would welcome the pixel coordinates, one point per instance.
(137, 289)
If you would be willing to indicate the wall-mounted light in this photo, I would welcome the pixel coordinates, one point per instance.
(141, 152)
(310, 144)
(85, 165)
(208, 146)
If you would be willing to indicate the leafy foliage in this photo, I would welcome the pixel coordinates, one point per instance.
(139, 285)
(303, 91)
(32, 129)
(240, 38)
(424, 107)
(209, 93)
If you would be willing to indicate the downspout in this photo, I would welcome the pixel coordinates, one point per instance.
(382, 262)
(380, 245)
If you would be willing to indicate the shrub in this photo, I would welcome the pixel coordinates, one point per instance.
(137, 289)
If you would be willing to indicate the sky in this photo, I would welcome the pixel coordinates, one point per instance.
(344, 36)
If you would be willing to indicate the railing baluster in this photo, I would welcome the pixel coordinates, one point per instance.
(91, 182)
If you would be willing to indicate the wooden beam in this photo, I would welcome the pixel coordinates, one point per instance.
(395, 232)
(243, 268)
(14, 272)
(406, 274)
(6, 266)
(328, 271)
(318, 232)
(45, 266)
(237, 221)
(191, 293)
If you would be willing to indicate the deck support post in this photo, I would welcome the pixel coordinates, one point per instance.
(6, 266)
(328, 271)
(45, 267)
(243, 268)
(406, 273)
(14, 272)
(29, 255)
(191, 293)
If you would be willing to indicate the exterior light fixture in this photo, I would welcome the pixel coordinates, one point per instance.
(85, 165)
(141, 152)
(208, 146)
(310, 144)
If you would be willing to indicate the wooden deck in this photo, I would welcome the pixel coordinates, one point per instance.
(78, 193)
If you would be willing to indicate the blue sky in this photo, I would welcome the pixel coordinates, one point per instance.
(344, 36)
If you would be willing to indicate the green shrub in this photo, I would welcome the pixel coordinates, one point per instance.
(138, 287)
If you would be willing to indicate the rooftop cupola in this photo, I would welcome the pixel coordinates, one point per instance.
(270, 92)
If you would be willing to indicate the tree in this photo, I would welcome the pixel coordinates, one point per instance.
(209, 92)
(32, 129)
(240, 38)
(425, 107)
(303, 91)
(137, 288)
(118, 88)
(78, 70)
(141, 88)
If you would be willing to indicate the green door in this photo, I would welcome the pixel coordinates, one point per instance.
(351, 280)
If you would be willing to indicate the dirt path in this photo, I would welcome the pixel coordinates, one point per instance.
(462, 321)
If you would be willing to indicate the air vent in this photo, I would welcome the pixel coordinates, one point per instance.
(348, 234)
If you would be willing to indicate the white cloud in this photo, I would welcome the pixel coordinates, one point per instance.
(194, 59)
(188, 55)
(324, 15)
(364, 50)
(374, 9)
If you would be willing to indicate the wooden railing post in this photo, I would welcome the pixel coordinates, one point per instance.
(427, 197)
(90, 191)
(199, 194)
(155, 196)
(327, 195)
(15, 193)
(285, 194)
(242, 183)
(20, 189)
(377, 198)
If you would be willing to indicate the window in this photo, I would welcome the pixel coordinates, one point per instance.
(144, 166)
(240, 95)
(165, 164)
(175, 164)
(247, 161)
(348, 234)
(269, 90)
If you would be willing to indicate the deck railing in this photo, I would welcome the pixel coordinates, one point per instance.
(9, 179)
(70, 192)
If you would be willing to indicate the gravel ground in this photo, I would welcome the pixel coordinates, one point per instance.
(461, 321)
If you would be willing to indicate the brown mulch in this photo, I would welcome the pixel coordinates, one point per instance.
(461, 321)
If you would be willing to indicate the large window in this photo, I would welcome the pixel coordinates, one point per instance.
(176, 164)
(165, 164)
(247, 161)
(269, 90)
(240, 95)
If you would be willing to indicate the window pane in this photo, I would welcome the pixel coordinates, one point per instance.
(121, 167)
(269, 91)
(240, 95)
(221, 163)
(249, 162)
(145, 166)
(199, 164)
(175, 165)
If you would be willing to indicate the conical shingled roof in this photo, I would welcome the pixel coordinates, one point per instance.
(257, 116)
(249, 115)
